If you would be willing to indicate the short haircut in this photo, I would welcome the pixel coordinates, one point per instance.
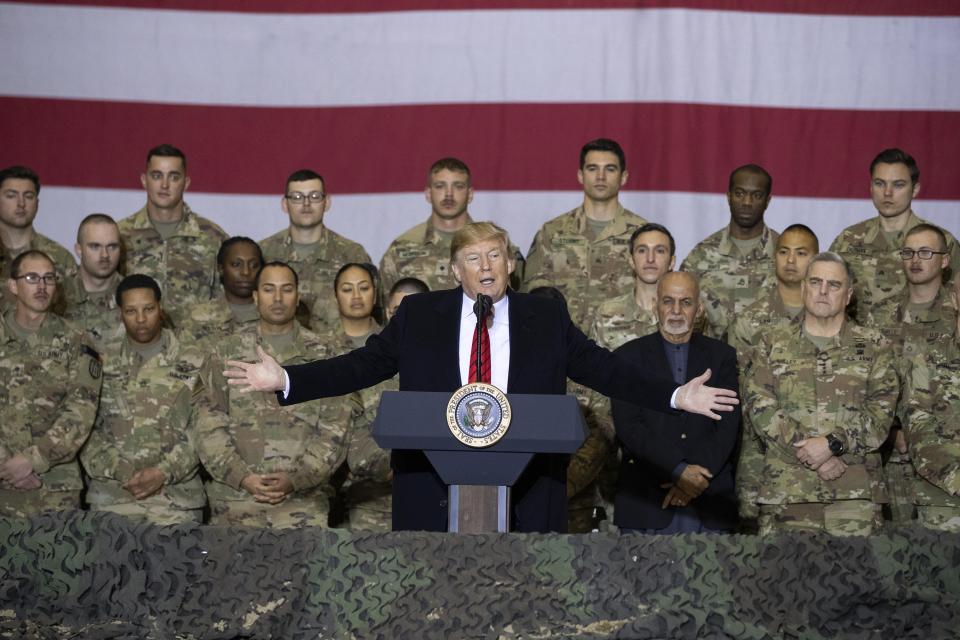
(276, 263)
(653, 226)
(167, 151)
(29, 253)
(137, 281)
(229, 242)
(831, 256)
(409, 285)
(474, 232)
(932, 228)
(374, 274)
(450, 164)
(894, 155)
(302, 175)
(549, 292)
(20, 171)
(797, 227)
(94, 218)
(754, 169)
(682, 275)
(604, 144)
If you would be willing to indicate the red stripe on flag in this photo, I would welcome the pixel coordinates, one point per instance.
(669, 147)
(827, 7)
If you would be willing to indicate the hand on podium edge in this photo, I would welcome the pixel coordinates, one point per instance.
(265, 375)
(697, 397)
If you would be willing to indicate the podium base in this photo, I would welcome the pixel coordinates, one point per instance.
(478, 508)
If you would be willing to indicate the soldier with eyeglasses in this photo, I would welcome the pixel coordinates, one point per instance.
(48, 400)
(313, 250)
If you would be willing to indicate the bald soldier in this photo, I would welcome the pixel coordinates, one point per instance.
(48, 399)
(91, 294)
(735, 265)
(581, 252)
(141, 458)
(270, 465)
(311, 248)
(821, 395)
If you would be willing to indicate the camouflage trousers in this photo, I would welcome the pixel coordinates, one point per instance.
(900, 478)
(939, 518)
(24, 504)
(370, 507)
(840, 518)
(292, 513)
(151, 512)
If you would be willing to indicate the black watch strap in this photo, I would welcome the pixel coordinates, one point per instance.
(836, 445)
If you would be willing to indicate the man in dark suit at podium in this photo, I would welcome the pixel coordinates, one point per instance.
(533, 346)
(676, 471)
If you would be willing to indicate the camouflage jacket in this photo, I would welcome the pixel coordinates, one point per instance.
(915, 332)
(243, 433)
(316, 270)
(730, 282)
(213, 318)
(146, 419)
(796, 391)
(49, 397)
(586, 271)
(755, 321)
(185, 265)
(932, 424)
(63, 260)
(620, 320)
(98, 315)
(877, 269)
(422, 252)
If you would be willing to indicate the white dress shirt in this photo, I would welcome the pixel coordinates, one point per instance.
(499, 341)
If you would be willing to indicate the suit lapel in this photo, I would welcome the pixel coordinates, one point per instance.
(520, 328)
(446, 333)
(697, 359)
(655, 356)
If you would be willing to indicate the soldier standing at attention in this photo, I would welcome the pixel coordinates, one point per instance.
(821, 395)
(581, 252)
(311, 248)
(48, 399)
(91, 294)
(270, 465)
(167, 241)
(141, 457)
(423, 252)
(871, 246)
(735, 265)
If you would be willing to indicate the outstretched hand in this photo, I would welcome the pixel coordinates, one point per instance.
(697, 397)
(265, 375)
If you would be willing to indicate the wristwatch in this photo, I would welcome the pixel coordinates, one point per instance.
(835, 444)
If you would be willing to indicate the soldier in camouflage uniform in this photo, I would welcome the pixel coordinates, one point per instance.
(932, 427)
(167, 241)
(735, 265)
(270, 465)
(400, 290)
(821, 395)
(781, 306)
(581, 252)
(313, 250)
(423, 251)
(922, 318)
(141, 458)
(19, 201)
(48, 399)
(871, 246)
(91, 294)
(238, 262)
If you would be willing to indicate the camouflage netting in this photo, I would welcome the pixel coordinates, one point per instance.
(83, 575)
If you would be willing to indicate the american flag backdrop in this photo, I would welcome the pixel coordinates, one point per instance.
(370, 93)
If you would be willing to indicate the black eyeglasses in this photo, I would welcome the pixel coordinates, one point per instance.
(315, 197)
(923, 254)
(35, 278)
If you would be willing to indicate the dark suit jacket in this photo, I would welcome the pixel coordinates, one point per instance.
(421, 342)
(654, 443)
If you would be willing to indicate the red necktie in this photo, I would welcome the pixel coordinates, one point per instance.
(485, 347)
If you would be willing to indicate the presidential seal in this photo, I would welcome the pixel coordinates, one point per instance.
(478, 414)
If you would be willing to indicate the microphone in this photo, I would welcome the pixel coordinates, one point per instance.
(481, 307)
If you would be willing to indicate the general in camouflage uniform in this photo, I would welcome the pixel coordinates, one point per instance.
(871, 246)
(271, 465)
(822, 395)
(735, 265)
(312, 249)
(932, 428)
(48, 399)
(167, 241)
(146, 425)
(19, 202)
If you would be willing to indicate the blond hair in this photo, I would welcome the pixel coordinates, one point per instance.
(474, 232)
